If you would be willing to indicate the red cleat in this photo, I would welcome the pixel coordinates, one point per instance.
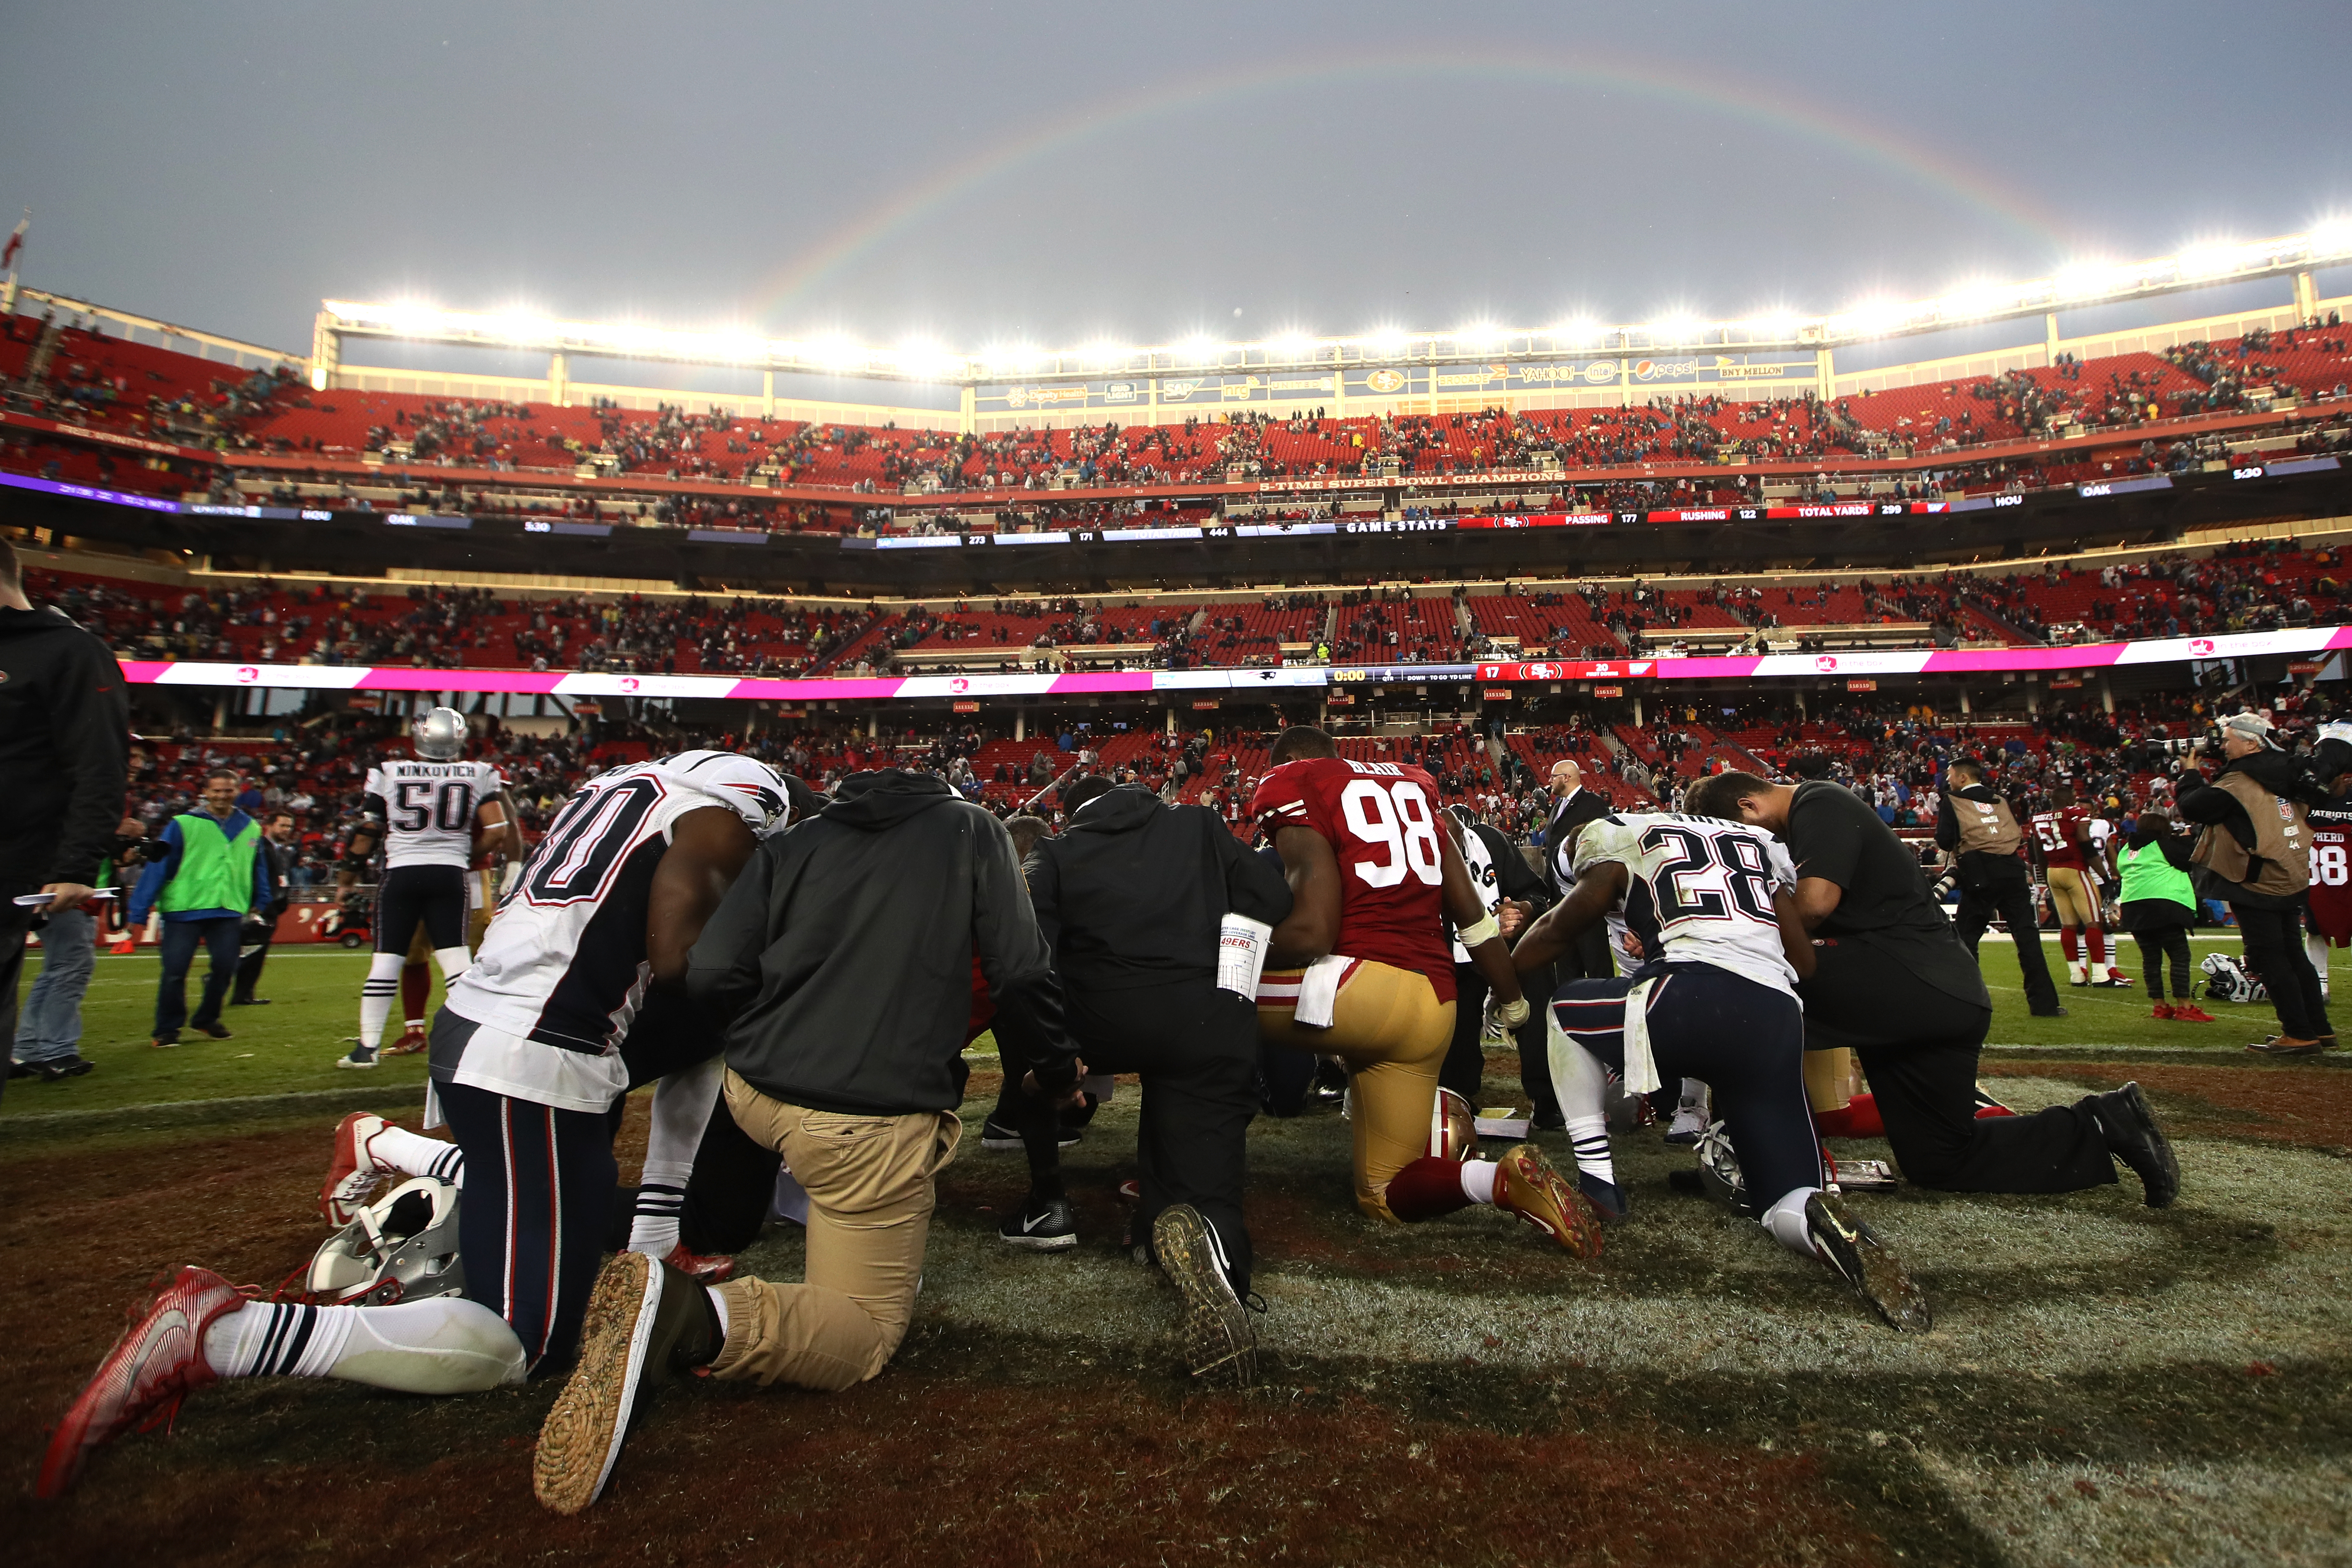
(353, 1173)
(139, 1386)
(2190, 1013)
(412, 1040)
(707, 1269)
(1526, 1184)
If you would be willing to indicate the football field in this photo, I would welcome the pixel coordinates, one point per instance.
(2104, 1384)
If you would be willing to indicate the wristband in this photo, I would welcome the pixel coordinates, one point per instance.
(1487, 930)
(1511, 1015)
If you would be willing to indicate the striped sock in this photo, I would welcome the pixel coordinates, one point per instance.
(278, 1339)
(653, 1230)
(414, 1154)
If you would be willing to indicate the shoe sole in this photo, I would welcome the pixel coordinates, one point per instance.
(1217, 1330)
(1581, 1215)
(355, 1067)
(582, 1437)
(1039, 1243)
(335, 1212)
(1869, 1268)
(2166, 1160)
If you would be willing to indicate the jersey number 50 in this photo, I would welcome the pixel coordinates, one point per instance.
(1396, 817)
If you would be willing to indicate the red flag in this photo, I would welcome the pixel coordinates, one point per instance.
(15, 239)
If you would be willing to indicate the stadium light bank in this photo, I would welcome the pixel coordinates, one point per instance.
(2073, 287)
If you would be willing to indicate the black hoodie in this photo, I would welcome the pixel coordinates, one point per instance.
(840, 963)
(65, 747)
(1133, 890)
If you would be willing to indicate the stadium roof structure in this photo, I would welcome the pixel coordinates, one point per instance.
(2074, 286)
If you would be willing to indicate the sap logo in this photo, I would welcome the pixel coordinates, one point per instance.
(1178, 391)
(2201, 645)
(247, 674)
(1826, 663)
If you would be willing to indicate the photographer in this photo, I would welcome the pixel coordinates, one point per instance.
(1977, 827)
(2255, 850)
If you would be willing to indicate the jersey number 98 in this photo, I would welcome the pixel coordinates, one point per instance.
(1396, 818)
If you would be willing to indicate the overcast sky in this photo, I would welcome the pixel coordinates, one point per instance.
(1065, 173)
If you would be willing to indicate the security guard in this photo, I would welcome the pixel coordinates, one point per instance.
(1977, 829)
(2255, 850)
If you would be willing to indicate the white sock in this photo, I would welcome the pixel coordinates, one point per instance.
(1786, 1220)
(683, 1101)
(376, 998)
(414, 1154)
(2315, 945)
(1479, 1179)
(445, 1345)
(1581, 1082)
(454, 962)
(719, 1305)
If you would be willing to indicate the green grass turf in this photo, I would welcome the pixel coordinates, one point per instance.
(291, 1046)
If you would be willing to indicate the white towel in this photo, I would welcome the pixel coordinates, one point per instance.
(1319, 990)
(1641, 1069)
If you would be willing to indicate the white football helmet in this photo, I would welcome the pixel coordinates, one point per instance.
(754, 789)
(401, 1248)
(439, 734)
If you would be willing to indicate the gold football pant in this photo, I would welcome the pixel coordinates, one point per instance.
(1391, 1029)
(2073, 898)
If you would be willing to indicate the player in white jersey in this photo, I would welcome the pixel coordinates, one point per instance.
(1715, 999)
(427, 811)
(526, 1066)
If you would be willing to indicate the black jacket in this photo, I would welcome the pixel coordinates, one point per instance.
(64, 748)
(840, 963)
(1579, 808)
(1132, 891)
(2207, 805)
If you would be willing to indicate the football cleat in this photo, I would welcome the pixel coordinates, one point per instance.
(1218, 1339)
(2134, 1136)
(2190, 1013)
(352, 1172)
(644, 1321)
(412, 1040)
(2115, 977)
(360, 1057)
(1691, 1117)
(2077, 972)
(705, 1268)
(1988, 1106)
(158, 1362)
(1609, 1200)
(1041, 1226)
(1526, 1184)
(1853, 1250)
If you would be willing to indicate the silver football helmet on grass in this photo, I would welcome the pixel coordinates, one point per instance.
(439, 734)
(401, 1248)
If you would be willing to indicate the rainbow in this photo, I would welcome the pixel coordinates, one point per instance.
(1586, 73)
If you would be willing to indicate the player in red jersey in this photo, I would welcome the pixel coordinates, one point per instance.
(1364, 970)
(2328, 912)
(2062, 832)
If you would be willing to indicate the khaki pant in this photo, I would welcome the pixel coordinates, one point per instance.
(870, 1199)
(1391, 1029)
(2073, 898)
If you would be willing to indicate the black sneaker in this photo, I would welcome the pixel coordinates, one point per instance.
(646, 1321)
(1853, 1250)
(249, 1001)
(64, 1068)
(218, 1031)
(2129, 1125)
(1219, 1339)
(1042, 1226)
(995, 1135)
(17, 1070)
(2048, 1012)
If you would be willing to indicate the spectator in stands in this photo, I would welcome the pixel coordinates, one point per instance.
(65, 733)
(208, 874)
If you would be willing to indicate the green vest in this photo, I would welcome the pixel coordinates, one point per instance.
(215, 871)
(2148, 875)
